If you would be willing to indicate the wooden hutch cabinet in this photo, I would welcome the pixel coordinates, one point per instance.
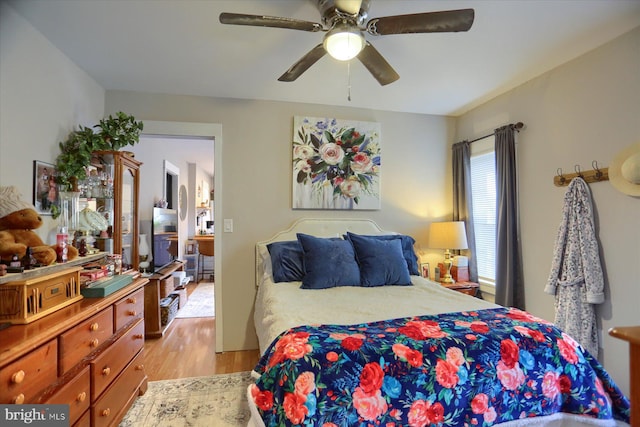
(88, 353)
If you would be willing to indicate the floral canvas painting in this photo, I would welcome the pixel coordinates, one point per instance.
(336, 164)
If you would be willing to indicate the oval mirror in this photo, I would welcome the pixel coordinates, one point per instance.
(182, 202)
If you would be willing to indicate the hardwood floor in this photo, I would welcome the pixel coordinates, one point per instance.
(187, 349)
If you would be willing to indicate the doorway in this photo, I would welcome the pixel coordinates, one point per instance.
(213, 133)
(170, 187)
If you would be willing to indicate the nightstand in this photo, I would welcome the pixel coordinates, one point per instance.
(469, 288)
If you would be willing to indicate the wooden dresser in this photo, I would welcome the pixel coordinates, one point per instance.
(87, 354)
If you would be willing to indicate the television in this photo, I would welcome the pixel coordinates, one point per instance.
(164, 229)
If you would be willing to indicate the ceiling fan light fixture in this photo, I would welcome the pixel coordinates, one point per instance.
(344, 43)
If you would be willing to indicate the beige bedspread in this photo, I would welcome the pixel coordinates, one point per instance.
(280, 306)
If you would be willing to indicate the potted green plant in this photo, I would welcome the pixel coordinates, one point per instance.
(112, 133)
(119, 131)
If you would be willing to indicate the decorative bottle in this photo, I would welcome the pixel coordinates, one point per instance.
(61, 245)
(28, 261)
(82, 249)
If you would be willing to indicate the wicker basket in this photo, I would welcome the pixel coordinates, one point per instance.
(168, 308)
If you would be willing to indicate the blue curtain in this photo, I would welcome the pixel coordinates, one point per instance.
(509, 276)
(462, 201)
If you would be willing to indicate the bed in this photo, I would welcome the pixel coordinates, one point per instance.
(380, 347)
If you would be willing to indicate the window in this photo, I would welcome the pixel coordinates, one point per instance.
(483, 190)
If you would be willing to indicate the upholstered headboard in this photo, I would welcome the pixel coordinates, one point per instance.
(320, 227)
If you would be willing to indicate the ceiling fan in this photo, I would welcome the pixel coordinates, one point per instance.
(344, 24)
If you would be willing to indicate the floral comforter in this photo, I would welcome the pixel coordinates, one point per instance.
(477, 368)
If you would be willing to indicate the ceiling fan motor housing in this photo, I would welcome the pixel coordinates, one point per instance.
(334, 11)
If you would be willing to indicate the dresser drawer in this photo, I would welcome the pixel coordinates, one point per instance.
(23, 379)
(76, 394)
(84, 338)
(129, 308)
(84, 421)
(119, 397)
(107, 366)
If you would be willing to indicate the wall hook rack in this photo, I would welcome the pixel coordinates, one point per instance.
(596, 174)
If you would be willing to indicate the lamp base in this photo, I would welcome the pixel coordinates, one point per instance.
(143, 265)
(447, 265)
(447, 279)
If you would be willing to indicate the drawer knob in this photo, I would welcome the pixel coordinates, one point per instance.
(106, 412)
(106, 371)
(18, 400)
(138, 336)
(131, 300)
(94, 342)
(140, 368)
(94, 326)
(132, 313)
(17, 377)
(81, 397)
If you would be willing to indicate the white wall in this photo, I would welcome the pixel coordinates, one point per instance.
(585, 110)
(256, 171)
(43, 97)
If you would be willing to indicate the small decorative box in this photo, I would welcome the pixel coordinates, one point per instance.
(93, 274)
(106, 286)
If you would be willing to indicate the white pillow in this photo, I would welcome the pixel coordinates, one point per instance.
(267, 271)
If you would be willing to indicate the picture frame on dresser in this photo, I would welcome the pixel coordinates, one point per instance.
(45, 189)
(424, 270)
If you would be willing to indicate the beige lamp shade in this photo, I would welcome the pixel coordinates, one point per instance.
(448, 235)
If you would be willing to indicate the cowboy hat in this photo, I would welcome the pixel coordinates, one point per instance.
(624, 172)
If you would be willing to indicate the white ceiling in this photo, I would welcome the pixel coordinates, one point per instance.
(179, 47)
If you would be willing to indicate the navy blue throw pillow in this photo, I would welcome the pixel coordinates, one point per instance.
(407, 249)
(328, 263)
(286, 261)
(381, 261)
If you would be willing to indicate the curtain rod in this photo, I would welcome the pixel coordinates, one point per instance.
(517, 126)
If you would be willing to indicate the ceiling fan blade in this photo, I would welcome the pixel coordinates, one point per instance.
(377, 65)
(428, 22)
(269, 21)
(303, 64)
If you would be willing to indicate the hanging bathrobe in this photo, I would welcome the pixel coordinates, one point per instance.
(576, 273)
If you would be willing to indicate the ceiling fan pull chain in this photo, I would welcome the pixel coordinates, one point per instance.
(349, 81)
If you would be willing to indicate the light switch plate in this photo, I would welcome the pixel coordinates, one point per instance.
(228, 225)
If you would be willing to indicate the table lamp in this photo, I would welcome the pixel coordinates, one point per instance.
(447, 235)
(144, 253)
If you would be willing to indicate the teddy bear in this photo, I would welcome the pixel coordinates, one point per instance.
(18, 219)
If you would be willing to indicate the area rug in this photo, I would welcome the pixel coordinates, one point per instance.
(218, 400)
(201, 302)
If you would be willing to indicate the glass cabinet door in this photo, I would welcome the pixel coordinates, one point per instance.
(128, 217)
(127, 171)
(119, 205)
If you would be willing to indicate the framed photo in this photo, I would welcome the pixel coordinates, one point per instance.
(191, 247)
(424, 270)
(45, 190)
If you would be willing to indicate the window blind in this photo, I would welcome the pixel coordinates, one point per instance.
(483, 189)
